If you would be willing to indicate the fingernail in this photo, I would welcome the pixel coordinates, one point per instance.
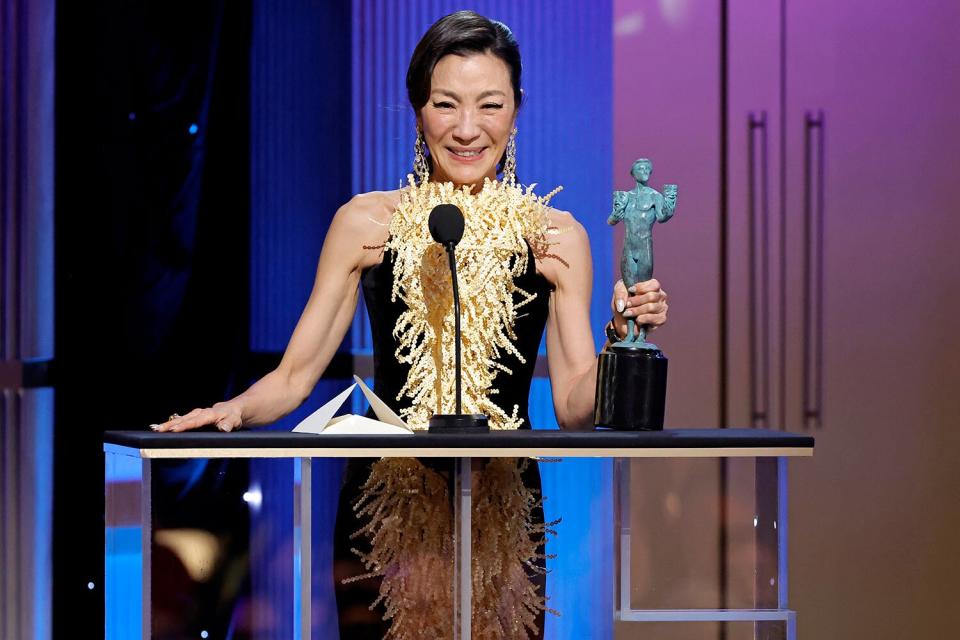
(155, 427)
(621, 305)
(628, 313)
(632, 289)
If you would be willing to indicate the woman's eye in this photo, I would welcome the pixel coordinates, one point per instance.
(443, 105)
(492, 105)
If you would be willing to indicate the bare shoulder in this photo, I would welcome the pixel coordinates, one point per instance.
(371, 208)
(567, 232)
(360, 224)
(569, 246)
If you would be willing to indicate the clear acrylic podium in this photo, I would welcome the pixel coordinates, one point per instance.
(131, 456)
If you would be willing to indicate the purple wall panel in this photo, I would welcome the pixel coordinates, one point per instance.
(666, 107)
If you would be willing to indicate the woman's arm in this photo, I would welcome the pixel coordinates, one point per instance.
(571, 355)
(318, 333)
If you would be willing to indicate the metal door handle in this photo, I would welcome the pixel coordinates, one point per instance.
(813, 225)
(758, 231)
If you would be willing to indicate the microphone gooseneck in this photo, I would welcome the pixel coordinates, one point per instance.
(456, 320)
(446, 227)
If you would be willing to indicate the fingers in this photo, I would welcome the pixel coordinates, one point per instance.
(194, 419)
(227, 424)
(620, 295)
(646, 303)
(645, 298)
(640, 304)
(643, 313)
(647, 286)
(228, 416)
(224, 415)
(620, 324)
(653, 320)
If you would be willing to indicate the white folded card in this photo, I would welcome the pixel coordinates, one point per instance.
(322, 421)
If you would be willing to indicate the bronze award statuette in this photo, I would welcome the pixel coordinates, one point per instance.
(632, 373)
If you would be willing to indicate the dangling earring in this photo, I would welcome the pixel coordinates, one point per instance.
(420, 165)
(510, 162)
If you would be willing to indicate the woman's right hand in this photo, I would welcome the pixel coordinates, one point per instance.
(226, 416)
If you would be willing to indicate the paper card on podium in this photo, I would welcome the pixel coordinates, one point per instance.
(380, 408)
(322, 421)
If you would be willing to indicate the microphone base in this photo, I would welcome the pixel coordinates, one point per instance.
(462, 423)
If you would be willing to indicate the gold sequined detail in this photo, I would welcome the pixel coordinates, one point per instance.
(501, 220)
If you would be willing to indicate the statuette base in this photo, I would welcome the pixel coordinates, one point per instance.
(631, 388)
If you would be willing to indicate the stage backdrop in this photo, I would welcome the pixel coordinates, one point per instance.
(300, 115)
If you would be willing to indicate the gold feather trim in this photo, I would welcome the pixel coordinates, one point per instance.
(501, 220)
(410, 529)
(507, 543)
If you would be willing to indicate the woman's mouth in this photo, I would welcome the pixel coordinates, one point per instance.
(466, 155)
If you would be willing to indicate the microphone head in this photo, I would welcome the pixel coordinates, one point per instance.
(446, 224)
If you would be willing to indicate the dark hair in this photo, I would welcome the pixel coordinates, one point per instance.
(461, 33)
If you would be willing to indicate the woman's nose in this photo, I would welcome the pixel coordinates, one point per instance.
(466, 130)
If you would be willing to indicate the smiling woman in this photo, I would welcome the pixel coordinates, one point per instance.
(526, 268)
(464, 86)
(469, 126)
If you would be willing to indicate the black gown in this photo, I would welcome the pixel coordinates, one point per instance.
(353, 599)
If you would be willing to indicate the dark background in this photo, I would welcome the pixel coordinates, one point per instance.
(153, 219)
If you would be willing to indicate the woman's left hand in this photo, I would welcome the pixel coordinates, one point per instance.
(645, 303)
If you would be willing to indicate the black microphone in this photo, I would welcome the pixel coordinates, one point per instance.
(446, 227)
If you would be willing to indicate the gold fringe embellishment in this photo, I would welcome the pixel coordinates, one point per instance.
(410, 530)
(507, 544)
(500, 221)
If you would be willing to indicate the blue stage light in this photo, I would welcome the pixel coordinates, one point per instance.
(192, 129)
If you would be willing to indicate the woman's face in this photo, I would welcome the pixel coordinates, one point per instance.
(468, 117)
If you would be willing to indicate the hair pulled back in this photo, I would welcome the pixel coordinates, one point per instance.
(461, 33)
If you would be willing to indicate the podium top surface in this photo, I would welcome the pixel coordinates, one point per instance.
(669, 443)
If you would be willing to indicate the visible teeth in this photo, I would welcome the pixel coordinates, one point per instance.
(466, 154)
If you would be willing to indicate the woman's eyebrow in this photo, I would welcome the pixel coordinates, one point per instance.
(481, 96)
